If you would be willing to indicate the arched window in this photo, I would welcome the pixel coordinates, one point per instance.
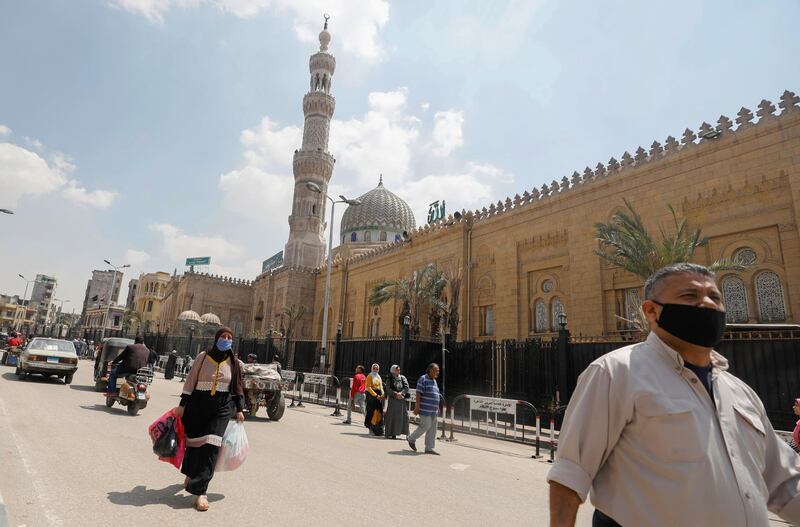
(735, 297)
(353, 237)
(633, 303)
(367, 236)
(540, 314)
(314, 210)
(745, 256)
(383, 236)
(769, 293)
(556, 308)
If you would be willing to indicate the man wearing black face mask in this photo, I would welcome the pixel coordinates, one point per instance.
(663, 435)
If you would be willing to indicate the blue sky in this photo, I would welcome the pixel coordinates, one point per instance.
(147, 131)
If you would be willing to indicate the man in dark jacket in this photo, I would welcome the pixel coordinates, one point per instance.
(135, 356)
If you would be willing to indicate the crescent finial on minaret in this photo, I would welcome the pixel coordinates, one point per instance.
(327, 17)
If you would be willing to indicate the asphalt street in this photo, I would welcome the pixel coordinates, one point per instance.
(67, 460)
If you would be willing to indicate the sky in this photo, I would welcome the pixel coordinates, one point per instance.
(144, 132)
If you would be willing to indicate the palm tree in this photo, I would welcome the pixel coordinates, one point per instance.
(626, 243)
(424, 287)
(293, 314)
(447, 303)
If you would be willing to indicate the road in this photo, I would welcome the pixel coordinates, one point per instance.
(67, 460)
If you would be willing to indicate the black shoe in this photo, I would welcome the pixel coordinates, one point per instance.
(347, 422)
(412, 445)
(432, 452)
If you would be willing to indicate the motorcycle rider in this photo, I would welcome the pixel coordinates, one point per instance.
(134, 357)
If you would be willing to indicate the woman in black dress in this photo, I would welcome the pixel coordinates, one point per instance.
(211, 390)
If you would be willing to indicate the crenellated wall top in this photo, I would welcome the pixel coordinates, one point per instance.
(221, 278)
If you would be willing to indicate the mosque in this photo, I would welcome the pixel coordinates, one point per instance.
(529, 259)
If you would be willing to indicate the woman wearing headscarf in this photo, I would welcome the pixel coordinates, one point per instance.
(397, 391)
(374, 418)
(212, 387)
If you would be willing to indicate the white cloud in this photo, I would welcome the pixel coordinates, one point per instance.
(102, 199)
(470, 189)
(4, 130)
(136, 258)
(32, 141)
(424, 106)
(178, 245)
(447, 132)
(26, 173)
(269, 146)
(359, 25)
(258, 195)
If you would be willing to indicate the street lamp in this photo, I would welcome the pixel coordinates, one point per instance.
(562, 320)
(313, 187)
(110, 293)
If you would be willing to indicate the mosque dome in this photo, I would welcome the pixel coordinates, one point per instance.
(380, 211)
(210, 318)
(189, 316)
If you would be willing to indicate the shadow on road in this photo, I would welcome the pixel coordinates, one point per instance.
(82, 388)
(141, 496)
(405, 453)
(33, 378)
(366, 436)
(105, 409)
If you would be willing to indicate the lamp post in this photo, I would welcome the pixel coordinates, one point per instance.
(562, 359)
(405, 321)
(110, 294)
(313, 187)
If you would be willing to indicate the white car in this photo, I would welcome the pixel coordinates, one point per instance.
(49, 357)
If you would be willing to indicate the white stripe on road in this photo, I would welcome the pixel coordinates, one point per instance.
(44, 500)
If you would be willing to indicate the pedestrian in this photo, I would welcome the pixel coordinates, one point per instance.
(276, 360)
(426, 407)
(663, 435)
(795, 444)
(205, 408)
(397, 391)
(169, 369)
(357, 394)
(373, 417)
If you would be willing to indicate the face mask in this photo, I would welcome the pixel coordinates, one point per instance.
(224, 344)
(697, 325)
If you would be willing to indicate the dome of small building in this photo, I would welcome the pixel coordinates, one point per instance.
(380, 211)
(189, 316)
(210, 318)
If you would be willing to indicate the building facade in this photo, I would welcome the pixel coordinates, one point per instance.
(44, 288)
(16, 315)
(101, 290)
(108, 317)
(150, 293)
(130, 301)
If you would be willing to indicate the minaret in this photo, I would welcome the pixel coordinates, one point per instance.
(313, 164)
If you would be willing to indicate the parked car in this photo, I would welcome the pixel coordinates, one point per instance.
(111, 349)
(49, 357)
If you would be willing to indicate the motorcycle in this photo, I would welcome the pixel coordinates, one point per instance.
(133, 391)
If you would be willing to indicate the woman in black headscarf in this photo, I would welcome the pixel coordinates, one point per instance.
(211, 389)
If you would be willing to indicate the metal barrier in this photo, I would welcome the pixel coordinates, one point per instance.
(318, 388)
(504, 407)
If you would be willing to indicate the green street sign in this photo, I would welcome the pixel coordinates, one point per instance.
(201, 260)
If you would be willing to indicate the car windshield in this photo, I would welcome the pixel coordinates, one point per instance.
(51, 345)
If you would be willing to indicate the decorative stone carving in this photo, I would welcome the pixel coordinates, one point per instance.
(656, 150)
(554, 187)
(517, 200)
(600, 171)
(540, 316)
(576, 178)
(641, 155)
(771, 302)
(564, 184)
(745, 118)
(492, 209)
(766, 110)
(724, 124)
(705, 128)
(545, 190)
(627, 160)
(526, 196)
(688, 137)
(789, 102)
(613, 165)
(508, 203)
(556, 309)
(745, 256)
(671, 145)
(535, 195)
(588, 175)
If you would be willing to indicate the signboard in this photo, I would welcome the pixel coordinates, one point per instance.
(272, 262)
(199, 260)
(492, 405)
(315, 378)
(436, 212)
(288, 375)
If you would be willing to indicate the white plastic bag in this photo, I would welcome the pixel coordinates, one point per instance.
(234, 448)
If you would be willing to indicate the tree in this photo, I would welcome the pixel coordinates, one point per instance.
(293, 314)
(626, 243)
(448, 301)
(423, 288)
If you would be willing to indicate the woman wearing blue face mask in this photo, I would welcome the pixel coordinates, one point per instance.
(213, 383)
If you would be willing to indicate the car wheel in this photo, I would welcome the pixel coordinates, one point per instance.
(68, 378)
(133, 409)
(276, 407)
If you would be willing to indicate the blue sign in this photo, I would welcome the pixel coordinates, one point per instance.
(272, 262)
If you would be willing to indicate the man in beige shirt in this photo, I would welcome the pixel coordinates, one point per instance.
(663, 435)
